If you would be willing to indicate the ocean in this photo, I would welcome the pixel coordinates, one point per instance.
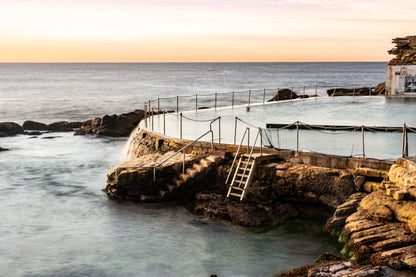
(57, 221)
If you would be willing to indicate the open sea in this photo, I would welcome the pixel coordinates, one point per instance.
(57, 221)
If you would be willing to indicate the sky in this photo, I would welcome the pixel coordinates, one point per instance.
(202, 30)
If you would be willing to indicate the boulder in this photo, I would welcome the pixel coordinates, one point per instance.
(3, 149)
(286, 94)
(33, 125)
(63, 126)
(10, 129)
(112, 125)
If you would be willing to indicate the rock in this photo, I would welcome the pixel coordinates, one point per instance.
(33, 133)
(33, 125)
(349, 91)
(10, 129)
(113, 126)
(3, 149)
(63, 126)
(286, 94)
(405, 51)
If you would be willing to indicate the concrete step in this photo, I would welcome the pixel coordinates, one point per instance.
(177, 182)
(199, 167)
(184, 177)
(192, 172)
(205, 162)
(214, 159)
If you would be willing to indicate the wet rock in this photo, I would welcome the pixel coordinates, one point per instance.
(113, 126)
(349, 91)
(33, 133)
(343, 211)
(3, 149)
(286, 94)
(63, 126)
(10, 129)
(33, 125)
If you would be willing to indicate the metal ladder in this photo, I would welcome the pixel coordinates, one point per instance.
(243, 170)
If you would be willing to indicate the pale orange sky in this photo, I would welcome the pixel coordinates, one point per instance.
(202, 31)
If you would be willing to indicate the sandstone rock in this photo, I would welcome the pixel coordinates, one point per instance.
(405, 51)
(10, 129)
(33, 125)
(359, 181)
(113, 126)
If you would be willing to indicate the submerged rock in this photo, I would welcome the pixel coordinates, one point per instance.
(3, 149)
(10, 129)
(63, 126)
(112, 125)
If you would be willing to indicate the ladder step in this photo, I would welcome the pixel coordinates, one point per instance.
(237, 188)
(235, 194)
(241, 175)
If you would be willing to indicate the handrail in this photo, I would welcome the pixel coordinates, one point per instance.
(219, 127)
(168, 158)
(236, 154)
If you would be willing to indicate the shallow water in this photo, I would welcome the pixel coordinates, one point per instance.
(57, 221)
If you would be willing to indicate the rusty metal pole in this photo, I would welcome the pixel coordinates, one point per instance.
(264, 95)
(164, 122)
(297, 137)
(145, 114)
(219, 129)
(177, 104)
(249, 96)
(196, 102)
(235, 130)
(232, 100)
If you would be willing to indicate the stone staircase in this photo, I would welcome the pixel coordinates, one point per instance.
(185, 181)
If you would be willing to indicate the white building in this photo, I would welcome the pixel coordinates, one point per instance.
(401, 80)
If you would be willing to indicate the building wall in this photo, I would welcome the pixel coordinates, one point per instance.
(401, 79)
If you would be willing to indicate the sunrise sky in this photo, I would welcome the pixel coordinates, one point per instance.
(202, 30)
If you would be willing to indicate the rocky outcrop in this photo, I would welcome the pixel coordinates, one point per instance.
(249, 214)
(112, 125)
(10, 129)
(286, 94)
(382, 230)
(405, 51)
(300, 182)
(363, 91)
(61, 126)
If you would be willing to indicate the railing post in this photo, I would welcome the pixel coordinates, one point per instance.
(215, 101)
(158, 105)
(362, 140)
(164, 122)
(261, 141)
(145, 114)
(405, 146)
(278, 94)
(183, 163)
(369, 90)
(248, 140)
(249, 96)
(177, 104)
(219, 129)
(232, 100)
(316, 90)
(196, 102)
(303, 92)
(264, 95)
(152, 119)
(154, 174)
(180, 125)
(353, 91)
(235, 130)
(297, 136)
(291, 94)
